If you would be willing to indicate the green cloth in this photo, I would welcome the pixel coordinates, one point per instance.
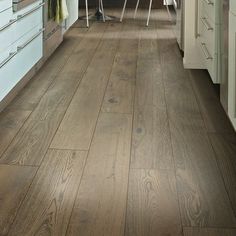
(57, 10)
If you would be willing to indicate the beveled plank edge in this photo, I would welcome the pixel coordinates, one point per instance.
(22, 200)
(21, 85)
(56, 76)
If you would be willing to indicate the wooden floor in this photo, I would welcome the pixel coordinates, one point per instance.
(114, 137)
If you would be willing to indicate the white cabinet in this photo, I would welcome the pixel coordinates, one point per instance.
(7, 24)
(192, 54)
(210, 37)
(73, 10)
(232, 69)
(21, 44)
(20, 61)
(233, 6)
(5, 4)
(27, 19)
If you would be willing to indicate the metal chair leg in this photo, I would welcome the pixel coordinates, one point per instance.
(136, 8)
(102, 9)
(167, 8)
(87, 19)
(149, 12)
(123, 11)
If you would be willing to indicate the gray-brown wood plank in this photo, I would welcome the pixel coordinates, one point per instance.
(152, 204)
(14, 184)
(47, 207)
(151, 167)
(31, 143)
(76, 129)
(101, 202)
(209, 232)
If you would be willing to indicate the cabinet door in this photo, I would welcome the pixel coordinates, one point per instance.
(73, 10)
(5, 4)
(232, 69)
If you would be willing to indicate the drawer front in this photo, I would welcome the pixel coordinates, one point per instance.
(208, 33)
(14, 68)
(5, 4)
(5, 17)
(27, 19)
(51, 43)
(209, 59)
(7, 52)
(233, 6)
(7, 25)
(209, 9)
(232, 69)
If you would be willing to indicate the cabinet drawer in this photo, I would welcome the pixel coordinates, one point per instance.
(7, 25)
(27, 19)
(207, 31)
(232, 69)
(6, 16)
(233, 6)
(209, 9)
(5, 4)
(208, 59)
(15, 67)
(51, 43)
(6, 52)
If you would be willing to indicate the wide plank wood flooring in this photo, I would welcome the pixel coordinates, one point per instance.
(113, 137)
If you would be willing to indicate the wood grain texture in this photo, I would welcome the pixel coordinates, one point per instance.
(151, 147)
(202, 195)
(31, 143)
(214, 116)
(101, 202)
(47, 207)
(119, 96)
(14, 184)
(30, 96)
(183, 109)
(224, 146)
(209, 232)
(10, 123)
(77, 127)
(152, 204)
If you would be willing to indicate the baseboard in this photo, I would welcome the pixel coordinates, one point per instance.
(193, 65)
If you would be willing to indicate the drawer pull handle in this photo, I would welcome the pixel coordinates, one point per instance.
(196, 19)
(206, 23)
(19, 17)
(19, 48)
(8, 24)
(209, 2)
(206, 52)
(4, 62)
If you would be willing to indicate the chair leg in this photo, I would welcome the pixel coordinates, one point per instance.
(86, 6)
(168, 10)
(123, 11)
(149, 12)
(102, 9)
(136, 8)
